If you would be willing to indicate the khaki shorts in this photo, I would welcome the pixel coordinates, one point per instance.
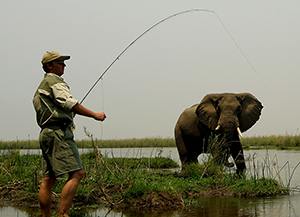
(60, 152)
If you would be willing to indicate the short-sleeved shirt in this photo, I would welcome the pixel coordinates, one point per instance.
(53, 101)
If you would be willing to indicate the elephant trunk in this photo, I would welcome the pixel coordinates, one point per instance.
(237, 129)
(227, 127)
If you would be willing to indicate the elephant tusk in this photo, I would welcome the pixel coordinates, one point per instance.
(239, 132)
(218, 127)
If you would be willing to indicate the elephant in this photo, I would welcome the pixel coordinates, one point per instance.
(223, 114)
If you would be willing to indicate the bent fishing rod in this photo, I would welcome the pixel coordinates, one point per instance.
(141, 35)
(156, 24)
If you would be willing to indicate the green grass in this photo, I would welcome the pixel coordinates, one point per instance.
(132, 182)
(137, 183)
(121, 143)
(274, 141)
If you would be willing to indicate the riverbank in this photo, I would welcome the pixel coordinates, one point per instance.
(255, 142)
(137, 183)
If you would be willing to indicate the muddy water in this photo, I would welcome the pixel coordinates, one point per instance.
(283, 166)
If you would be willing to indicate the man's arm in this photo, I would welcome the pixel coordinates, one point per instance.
(81, 110)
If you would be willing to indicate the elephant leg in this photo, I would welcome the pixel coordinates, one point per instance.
(186, 148)
(238, 156)
(187, 157)
(182, 151)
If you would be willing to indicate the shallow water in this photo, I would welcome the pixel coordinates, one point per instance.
(282, 164)
(283, 206)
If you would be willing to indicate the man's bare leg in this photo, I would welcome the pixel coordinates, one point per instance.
(45, 195)
(69, 191)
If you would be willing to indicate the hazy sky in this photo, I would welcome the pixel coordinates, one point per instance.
(169, 69)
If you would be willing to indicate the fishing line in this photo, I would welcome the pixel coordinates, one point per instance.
(235, 42)
(163, 20)
(102, 105)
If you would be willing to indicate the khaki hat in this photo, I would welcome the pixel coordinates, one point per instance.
(53, 55)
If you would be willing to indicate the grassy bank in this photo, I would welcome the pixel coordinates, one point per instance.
(120, 143)
(130, 183)
(275, 141)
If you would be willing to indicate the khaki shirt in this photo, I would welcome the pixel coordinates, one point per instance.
(53, 101)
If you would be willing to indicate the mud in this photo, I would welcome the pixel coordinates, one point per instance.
(16, 196)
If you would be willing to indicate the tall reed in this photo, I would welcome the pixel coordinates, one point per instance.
(276, 141)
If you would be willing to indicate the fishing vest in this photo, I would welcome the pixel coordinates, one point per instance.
(53, 101)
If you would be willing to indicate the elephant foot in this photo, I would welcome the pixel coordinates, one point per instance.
(241, 173)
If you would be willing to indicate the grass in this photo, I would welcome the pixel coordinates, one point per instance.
(127, 183)
(274, 141)
(139, 183)
(257, 142)
(87, 143)
(123, 183)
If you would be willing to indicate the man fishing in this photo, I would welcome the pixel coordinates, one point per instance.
(55, 108)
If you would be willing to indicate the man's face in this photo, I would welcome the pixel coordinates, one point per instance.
(57, 67)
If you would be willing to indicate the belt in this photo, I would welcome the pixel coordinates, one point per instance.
(57, 126)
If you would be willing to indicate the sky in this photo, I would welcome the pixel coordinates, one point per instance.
(244, 46)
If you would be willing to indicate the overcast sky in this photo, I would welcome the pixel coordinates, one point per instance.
(170, 68)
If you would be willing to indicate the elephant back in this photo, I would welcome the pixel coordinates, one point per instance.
(188, 121)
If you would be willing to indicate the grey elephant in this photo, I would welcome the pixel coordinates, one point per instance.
(225, 114)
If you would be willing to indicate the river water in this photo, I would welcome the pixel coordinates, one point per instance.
(279, 164)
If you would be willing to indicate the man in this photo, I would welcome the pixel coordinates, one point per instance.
(55, 108)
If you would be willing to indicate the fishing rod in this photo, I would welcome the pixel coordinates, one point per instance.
(118, 57)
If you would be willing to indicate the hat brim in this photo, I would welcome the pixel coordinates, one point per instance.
(62, 58)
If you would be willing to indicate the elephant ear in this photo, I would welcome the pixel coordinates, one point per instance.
(251, 110)
(206, 110)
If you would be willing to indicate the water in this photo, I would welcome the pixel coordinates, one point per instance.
(283, 164)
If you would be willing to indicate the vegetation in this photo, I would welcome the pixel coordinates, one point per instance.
(129, 182)
(124, 183)
(121, 143)
(141, 183)
(274, 141)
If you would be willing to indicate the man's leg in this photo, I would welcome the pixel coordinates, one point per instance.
(69, 191)
(45, 195)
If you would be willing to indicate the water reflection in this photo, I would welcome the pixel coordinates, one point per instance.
(10, 211)
(283, 206)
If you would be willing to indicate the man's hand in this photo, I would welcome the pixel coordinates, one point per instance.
(100, 116)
